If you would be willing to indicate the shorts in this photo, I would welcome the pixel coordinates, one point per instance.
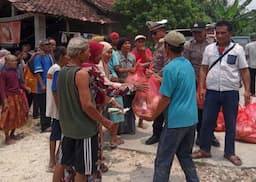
(82, 154)
(56, 130)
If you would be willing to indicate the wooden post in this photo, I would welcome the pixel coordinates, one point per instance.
(40, 28)
(14, 12)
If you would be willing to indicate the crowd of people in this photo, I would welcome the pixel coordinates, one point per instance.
(79, 89)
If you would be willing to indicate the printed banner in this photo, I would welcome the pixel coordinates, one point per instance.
(10, 32)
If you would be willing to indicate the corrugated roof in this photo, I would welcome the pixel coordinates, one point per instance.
(75, 9)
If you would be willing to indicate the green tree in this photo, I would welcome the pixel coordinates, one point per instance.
(135, 13)
(241, 17)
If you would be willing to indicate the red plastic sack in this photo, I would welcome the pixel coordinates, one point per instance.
(144, 101)
(250, 110)
(246, 125)
(147, 101)
(246, 131)
(220, 122)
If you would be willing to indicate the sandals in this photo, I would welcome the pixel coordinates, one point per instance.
(103, 167)
(234, 159)
(201, 154)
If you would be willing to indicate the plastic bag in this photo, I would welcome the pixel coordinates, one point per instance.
(246, 125)
(145, 101)
(220, 122)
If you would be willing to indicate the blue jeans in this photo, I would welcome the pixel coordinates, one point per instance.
(177, 141)
(229, 101)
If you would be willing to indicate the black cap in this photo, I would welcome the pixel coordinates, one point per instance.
(198, 26)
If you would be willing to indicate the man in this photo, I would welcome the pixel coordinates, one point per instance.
(52, 101)
(42, 62)
(193, 51)
(251, 59)
(222, 90)
(158, 31)
(178, 96)
(78, 116)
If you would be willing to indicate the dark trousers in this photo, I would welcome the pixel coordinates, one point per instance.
(200, 117)
(177, 141)
(229, 101)
(33, 99)
(158, 125)
(252, 75)
(45, 122)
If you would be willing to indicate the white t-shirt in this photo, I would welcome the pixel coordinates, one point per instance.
(51, 108)
(225, 75)
(250, 51)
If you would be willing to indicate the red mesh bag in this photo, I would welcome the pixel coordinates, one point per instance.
(220, 122)
(246, 125)
(147, 101)
(144, 101)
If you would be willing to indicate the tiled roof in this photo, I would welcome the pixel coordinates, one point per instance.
(74, 9)
(103, 5)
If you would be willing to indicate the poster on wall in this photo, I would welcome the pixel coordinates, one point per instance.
(10, 32)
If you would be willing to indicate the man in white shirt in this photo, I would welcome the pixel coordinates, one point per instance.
(251, 59)
(222, 90)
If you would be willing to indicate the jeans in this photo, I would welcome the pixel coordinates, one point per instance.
(252, 75)
(177, 141)
(158, 125)
(45, 122)
(213, 101)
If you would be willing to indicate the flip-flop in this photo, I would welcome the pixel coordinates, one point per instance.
(50, 169)
(234, 160)
(201, 154)
(103, 167)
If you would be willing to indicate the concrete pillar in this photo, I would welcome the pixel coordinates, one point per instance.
(40, 28)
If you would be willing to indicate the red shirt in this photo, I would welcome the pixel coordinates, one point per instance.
(142, 55)
(9, 83)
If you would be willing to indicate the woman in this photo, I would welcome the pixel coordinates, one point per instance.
(14, 111)
(126, 66)
(118, 117)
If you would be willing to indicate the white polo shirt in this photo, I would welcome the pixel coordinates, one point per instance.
(225, 75)
(250, 51)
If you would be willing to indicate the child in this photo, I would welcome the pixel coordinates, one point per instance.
(52, 102)
(14, 110)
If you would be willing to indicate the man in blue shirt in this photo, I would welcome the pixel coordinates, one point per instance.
(178, 101)
(42, 62)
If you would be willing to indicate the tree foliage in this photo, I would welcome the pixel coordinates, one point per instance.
(182, 13)
(240, 16)
(179, 13)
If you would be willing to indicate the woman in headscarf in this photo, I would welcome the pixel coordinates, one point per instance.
(101, 91)
(115, 117)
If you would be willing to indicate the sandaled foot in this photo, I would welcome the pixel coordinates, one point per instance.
(142, 126)
(201, 154)
(118, 141)
(9, 142)
(103, 167)
(17, 136)
(234, 159)
(50, 168)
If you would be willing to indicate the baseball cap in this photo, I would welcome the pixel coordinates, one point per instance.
(175, 39)
(140, 37)
(153, 26)
(198, 26)
(114, 35)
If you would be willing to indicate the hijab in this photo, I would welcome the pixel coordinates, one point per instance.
(95, 50)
